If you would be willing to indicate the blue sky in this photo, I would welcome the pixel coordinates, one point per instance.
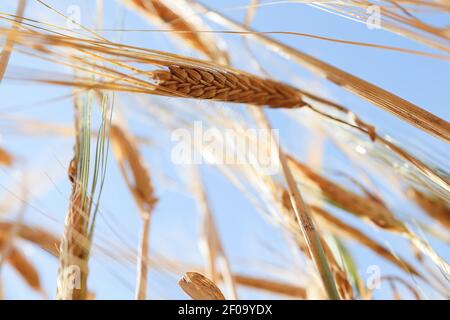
(245, 234)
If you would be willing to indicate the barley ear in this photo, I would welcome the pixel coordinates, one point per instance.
(198, 287)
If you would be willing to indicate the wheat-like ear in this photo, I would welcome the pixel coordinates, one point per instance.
(21, 264)
(227, 85)
(179, 77)
(38, 236)
(198, 287)
(138, 181)
(132, 166)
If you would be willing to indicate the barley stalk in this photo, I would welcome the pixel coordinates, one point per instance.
(304, 219)
(141, 282)
(342, 283)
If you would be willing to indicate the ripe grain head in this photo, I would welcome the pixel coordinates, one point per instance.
(225, 85)
(198, 287)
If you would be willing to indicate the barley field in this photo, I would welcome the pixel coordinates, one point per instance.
(224, 150)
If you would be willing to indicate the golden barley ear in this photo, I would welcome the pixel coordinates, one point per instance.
(132, 166)
(40, 237)
(137, 178)
(21, 264)
(198, 287)
(225, 85)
